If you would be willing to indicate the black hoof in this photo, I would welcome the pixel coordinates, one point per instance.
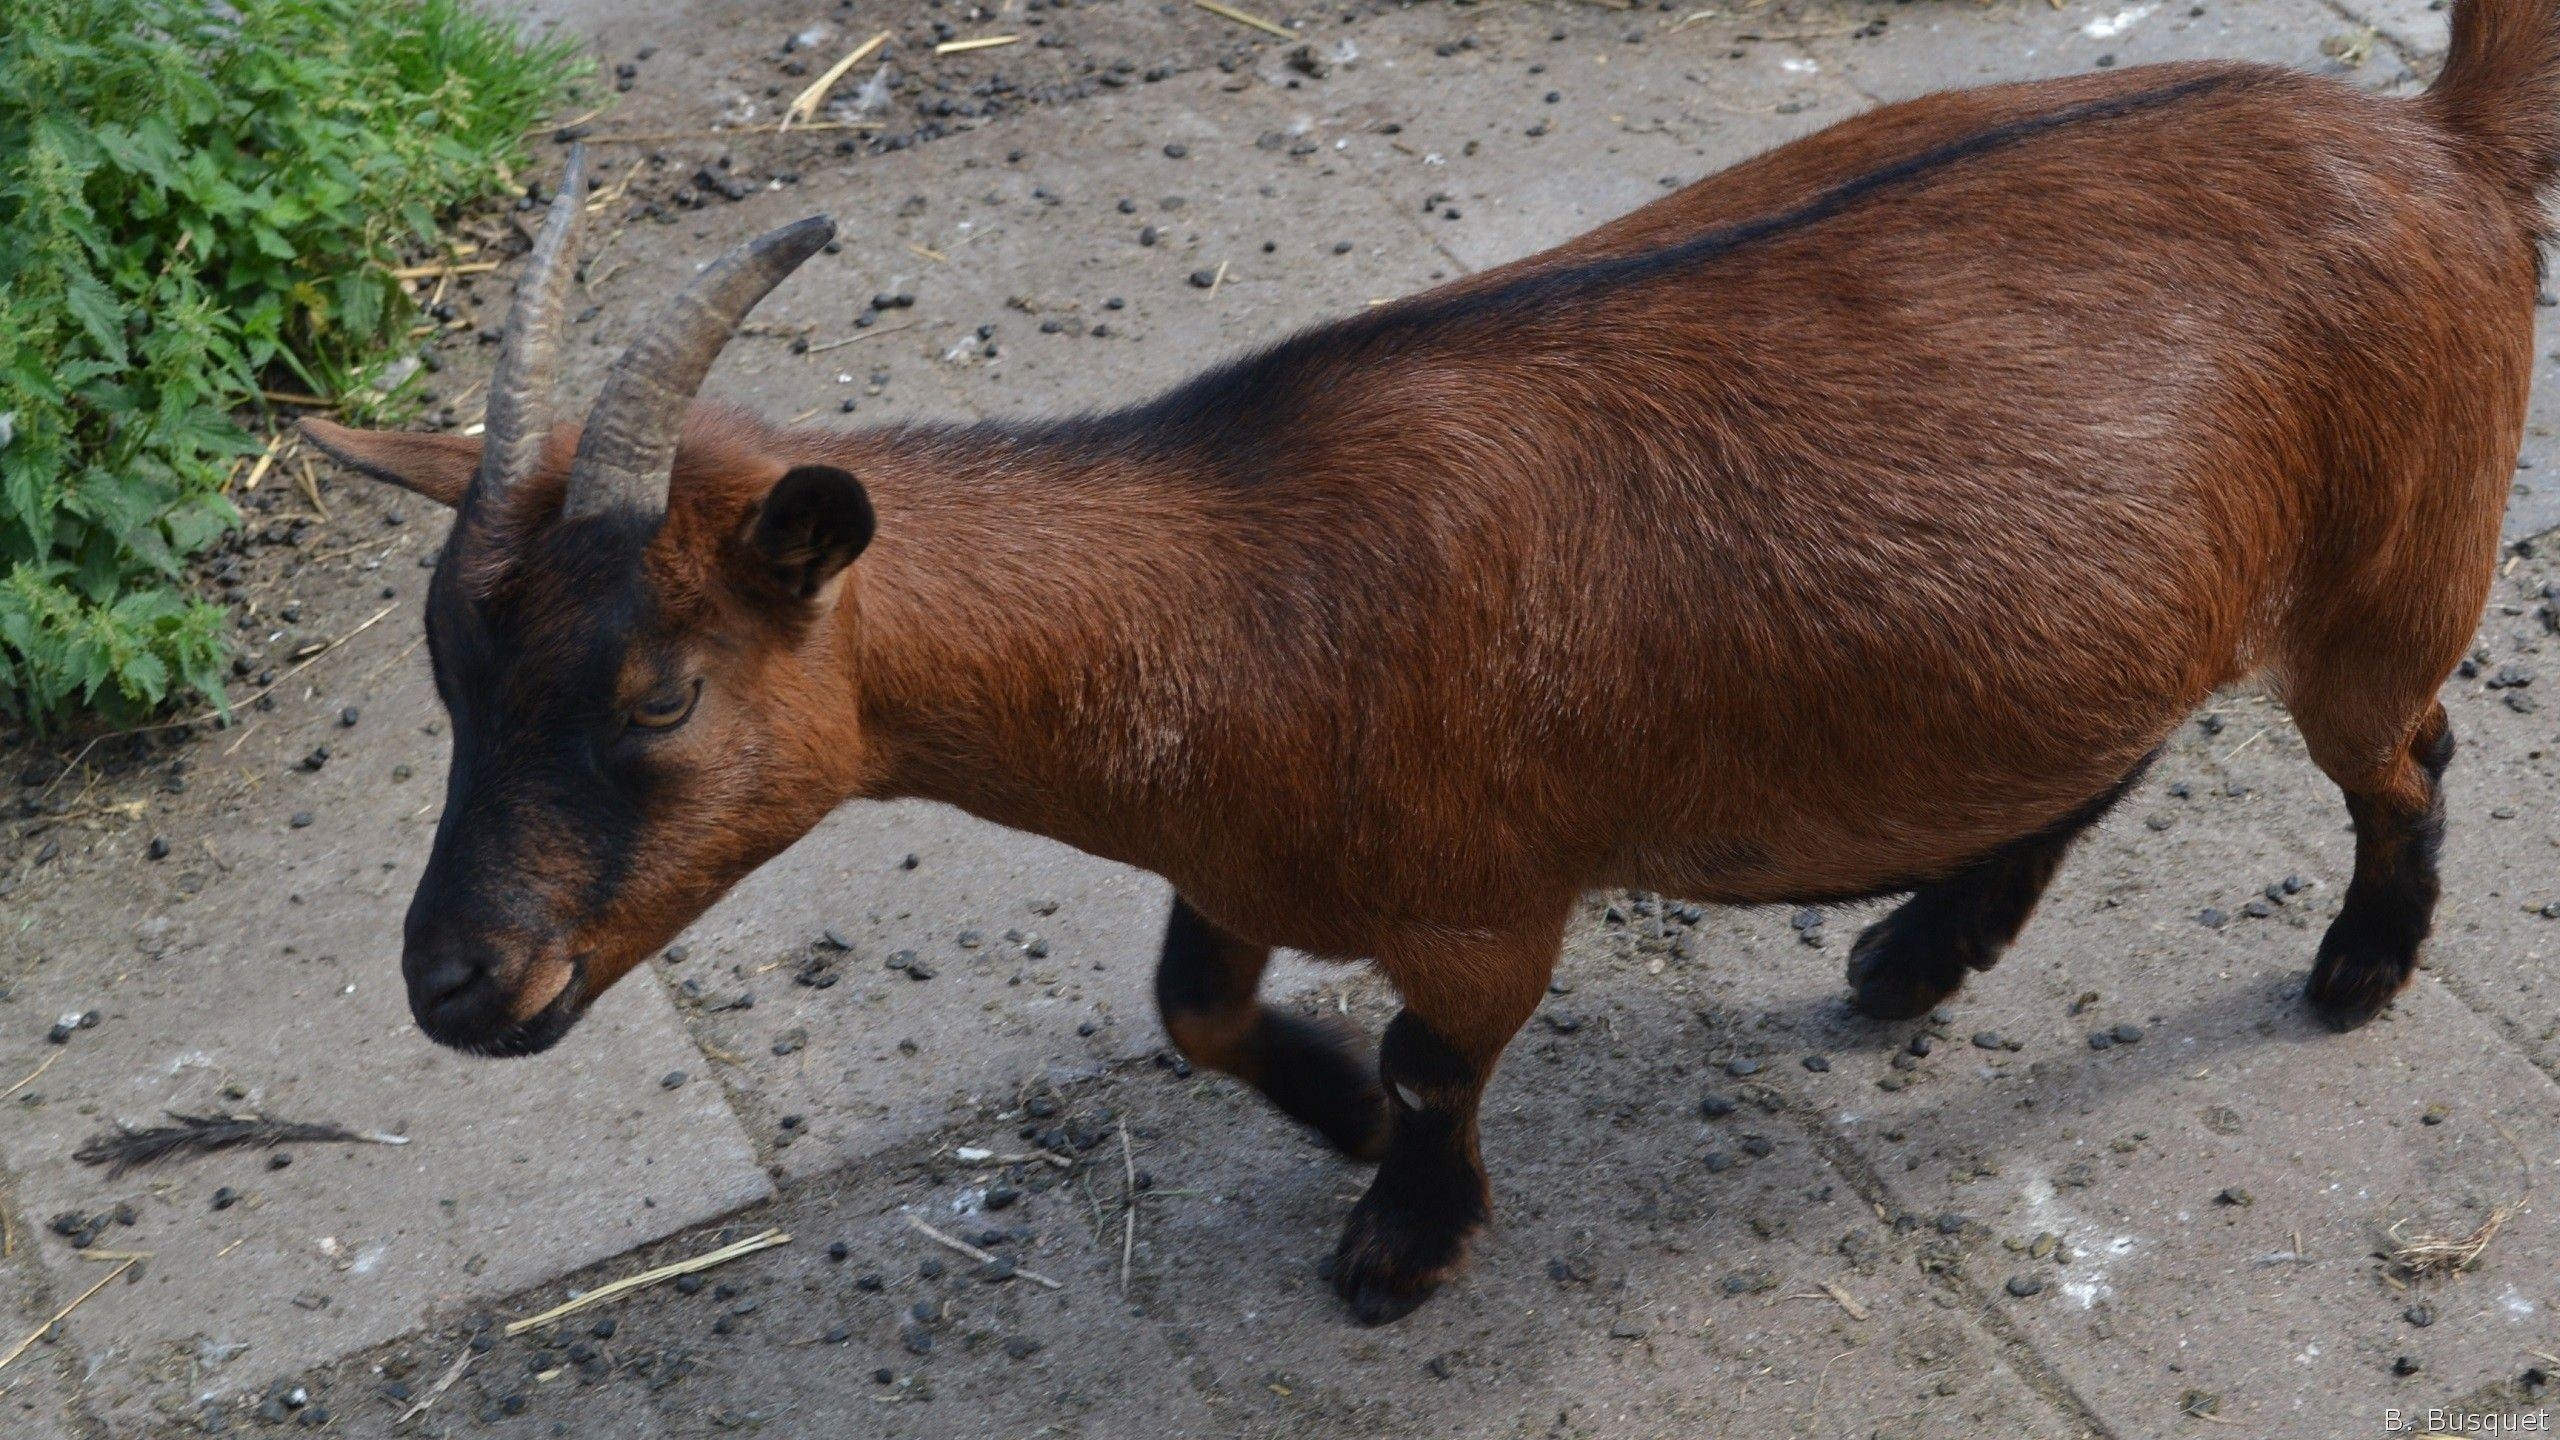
(1899, 973)
(2350, 987)
(1390, 1262)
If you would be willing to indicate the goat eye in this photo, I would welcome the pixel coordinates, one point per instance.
(668, 708)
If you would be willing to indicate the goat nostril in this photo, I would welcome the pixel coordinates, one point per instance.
(449, 977)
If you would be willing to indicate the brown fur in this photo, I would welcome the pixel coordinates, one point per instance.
(1826, 565)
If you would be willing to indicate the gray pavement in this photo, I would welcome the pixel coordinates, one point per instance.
(2015, 1234)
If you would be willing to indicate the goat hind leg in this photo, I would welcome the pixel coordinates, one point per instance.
(1316, 1073)
(2371, 949)
(1905, 964)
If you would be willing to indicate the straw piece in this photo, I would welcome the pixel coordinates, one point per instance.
(2433, 1257)
(258, 472)
(310, 483)
(441, 270)
(646, 1278)
(599, 200)
(1856, 1310)
(858, 337)
(38, 1333)
(983, 42)
(954, 1243)
(805, 105)
(1242, 18)
(443, 1383)
(32, 1075)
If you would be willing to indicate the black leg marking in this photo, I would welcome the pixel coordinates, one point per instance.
(1314, 1072)
(1319, 1075)
(2371, 949)
(1906, 964)
(1410, 1232)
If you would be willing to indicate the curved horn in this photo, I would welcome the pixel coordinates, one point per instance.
(629, 444)
(519, 410)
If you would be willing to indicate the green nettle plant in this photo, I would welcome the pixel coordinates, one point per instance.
(198, 197)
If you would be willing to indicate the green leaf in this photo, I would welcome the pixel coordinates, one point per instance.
(197, 202)
(97, 310)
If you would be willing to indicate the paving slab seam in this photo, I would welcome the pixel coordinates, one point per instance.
(2498, 1022)
(2016, 1349)
(1376, 184)
(1841, 76)
(2409, 55)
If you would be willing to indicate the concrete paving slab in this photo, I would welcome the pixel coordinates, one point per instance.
(2220, 1185)
(1498, 170)
(255, 968)
(1052, 227)
(1935, 48)
(1659, 1287)
(877, 1058)
(356, 1244)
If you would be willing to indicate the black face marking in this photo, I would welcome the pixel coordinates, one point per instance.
(542, 808)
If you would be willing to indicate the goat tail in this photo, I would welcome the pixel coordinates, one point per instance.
(2500, 89)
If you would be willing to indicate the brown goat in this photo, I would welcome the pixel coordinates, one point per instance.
(2029, 415)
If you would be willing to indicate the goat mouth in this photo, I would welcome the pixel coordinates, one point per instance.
(536, 1032)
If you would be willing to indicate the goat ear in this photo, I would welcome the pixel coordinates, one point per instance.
(810, 526)
(438, 467)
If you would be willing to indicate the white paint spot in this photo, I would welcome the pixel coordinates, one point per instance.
(2108, 27)
(1798, 65)
(2516, 1305)
(2045, 1210)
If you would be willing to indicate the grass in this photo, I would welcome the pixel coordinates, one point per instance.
(198, 201)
